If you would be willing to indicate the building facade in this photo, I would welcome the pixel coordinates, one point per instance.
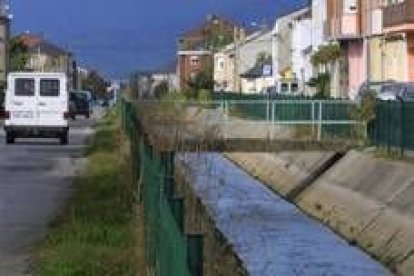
(197, 46)
(238, 58)
(283, 50)
(44, 56)
(4, 39)
(302, 68)
(398, 43)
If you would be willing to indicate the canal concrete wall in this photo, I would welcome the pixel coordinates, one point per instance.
(219, 257)
(367, 200)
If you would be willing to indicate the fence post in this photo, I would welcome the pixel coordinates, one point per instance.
(267, 110)
(195, 248)
(313, 118)
(402, 126)
(320, 121)
(388, 126)
(272, 125)
(177, 208)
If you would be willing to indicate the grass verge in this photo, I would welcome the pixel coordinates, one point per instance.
(99, 232)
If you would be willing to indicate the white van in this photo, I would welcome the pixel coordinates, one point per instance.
(37, 105)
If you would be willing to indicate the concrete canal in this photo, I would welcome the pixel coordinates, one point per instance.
(269, 235)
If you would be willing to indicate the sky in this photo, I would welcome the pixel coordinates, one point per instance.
(119, 37)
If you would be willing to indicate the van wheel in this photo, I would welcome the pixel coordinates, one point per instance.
(64, 138)
(87, 115)
(9, 138)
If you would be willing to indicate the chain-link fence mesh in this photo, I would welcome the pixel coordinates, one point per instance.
(166, 244)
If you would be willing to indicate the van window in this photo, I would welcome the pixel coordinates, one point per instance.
(24, 87)
(49, 87)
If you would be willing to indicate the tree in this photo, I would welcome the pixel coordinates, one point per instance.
(95, 83)
(19, 54)
(263, 57)
(321, 83)
(326, 55)
(202, 80)
(161, 89)
(323, 59)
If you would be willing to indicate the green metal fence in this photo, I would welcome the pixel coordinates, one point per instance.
(393, 126)
(166, 243)
(331, 118)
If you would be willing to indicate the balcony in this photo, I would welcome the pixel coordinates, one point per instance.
(345, 27)
(399, 17)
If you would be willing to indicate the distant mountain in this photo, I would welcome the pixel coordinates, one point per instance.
(130, 35)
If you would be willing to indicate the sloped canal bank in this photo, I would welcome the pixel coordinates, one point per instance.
(269, 235)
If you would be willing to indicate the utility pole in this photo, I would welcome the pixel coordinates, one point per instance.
(236, 59)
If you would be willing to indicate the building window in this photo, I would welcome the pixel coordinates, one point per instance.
(194, 60)
(220, 64)
(350, 6)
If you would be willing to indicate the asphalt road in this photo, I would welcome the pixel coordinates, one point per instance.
(35, 180)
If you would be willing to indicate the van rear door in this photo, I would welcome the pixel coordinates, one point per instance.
(52, 101)
(21, 101)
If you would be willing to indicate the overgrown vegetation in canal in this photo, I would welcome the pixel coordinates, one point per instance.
(98, 234)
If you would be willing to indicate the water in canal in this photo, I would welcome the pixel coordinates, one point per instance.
(271, 236)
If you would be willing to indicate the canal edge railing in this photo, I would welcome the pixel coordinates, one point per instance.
(169, 251)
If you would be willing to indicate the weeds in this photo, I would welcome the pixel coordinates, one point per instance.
(96, 235)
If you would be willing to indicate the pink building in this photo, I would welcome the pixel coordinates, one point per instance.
(344, 26)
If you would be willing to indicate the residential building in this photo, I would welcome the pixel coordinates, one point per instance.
(4, 38)
(319, 23)
(282, 46)
(81, 75)
(166, 73)
(238, 58)
(344, 27)
(140, 85)
(191, 63)
(398, 44)
(372, 26)
(302, 69)
(258, 78)
(44, 56)
(197, 46)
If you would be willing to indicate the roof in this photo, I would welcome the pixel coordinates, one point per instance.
(194, 53)
(197, 30)
(256, 71)
(37, 42)
(251, 37)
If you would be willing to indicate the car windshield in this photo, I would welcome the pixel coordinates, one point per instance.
(388, 89)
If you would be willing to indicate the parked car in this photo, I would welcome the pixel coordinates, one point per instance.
(392, 92)
(80, 104)
(36, 105)
(372, 86)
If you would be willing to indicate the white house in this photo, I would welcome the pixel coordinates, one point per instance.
(283, 51)
(319, 19)
(238, 58)
(302, 69)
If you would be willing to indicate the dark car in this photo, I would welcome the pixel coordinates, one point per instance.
(396, 91)
(79, 104)
(372, 86)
